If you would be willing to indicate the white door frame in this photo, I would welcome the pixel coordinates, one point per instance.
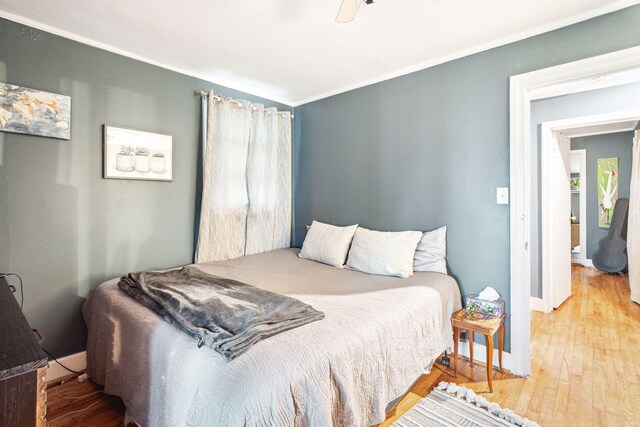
(563, 79)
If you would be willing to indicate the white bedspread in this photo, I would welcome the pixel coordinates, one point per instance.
(378, 336)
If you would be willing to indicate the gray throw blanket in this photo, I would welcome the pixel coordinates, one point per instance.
(224, 314)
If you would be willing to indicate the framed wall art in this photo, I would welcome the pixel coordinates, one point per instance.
(34, 112)
(137, 154)
(607, 189)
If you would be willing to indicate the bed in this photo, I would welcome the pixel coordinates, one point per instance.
(378, 335)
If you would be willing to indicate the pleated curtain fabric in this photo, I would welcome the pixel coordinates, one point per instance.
(633, 225)
(246, 192)
(269, 182)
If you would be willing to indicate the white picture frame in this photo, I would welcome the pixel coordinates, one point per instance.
(137, 154)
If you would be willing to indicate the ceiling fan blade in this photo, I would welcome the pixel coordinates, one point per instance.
(348, 11)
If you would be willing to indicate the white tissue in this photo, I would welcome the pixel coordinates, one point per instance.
(489, 294)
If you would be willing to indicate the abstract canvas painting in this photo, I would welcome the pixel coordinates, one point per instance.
(136, 154)
(34, 112)
(607, 190)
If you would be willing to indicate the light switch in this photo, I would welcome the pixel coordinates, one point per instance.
(502, 195)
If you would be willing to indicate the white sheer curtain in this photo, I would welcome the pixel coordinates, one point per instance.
(246, 194)
(633, 225)
(269, 182)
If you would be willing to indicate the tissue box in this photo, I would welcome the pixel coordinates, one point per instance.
(495, 308)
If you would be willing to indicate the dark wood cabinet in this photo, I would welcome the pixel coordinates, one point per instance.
(23, 367)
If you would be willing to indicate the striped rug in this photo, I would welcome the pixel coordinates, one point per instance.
(452, 405)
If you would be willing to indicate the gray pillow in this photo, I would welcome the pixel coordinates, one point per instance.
(432, 251)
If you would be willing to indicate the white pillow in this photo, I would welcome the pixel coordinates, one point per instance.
(327, 243)
(432, 251)
(383, 252)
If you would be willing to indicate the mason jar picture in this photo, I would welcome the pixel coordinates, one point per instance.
(136, 154)
(158, 163)
(124, 159)
(142, 159)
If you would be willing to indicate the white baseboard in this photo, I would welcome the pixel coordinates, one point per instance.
(77, 362)
(537, 304)
(588, 263)
(480, 354)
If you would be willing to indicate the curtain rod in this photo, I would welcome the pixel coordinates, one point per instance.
(221, 97)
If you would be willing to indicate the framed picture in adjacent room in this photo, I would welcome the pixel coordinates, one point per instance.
(137, 154)
(607, 190)
(575, 184)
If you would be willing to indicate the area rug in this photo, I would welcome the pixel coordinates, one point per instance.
(452, 405)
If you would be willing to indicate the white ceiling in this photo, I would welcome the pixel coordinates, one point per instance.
(292, 51)
(601, 129)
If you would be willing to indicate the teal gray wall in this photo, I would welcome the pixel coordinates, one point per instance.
(63, 227)
(430, 148)
(601, 101)
(597, 147)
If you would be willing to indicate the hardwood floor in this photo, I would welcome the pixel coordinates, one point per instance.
(96, 408)
(585, 361)
(585, 367)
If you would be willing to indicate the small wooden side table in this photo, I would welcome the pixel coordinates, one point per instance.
(485, 324)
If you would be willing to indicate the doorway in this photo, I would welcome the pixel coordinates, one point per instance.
(557, 215)
(608, 70)
(578, 186)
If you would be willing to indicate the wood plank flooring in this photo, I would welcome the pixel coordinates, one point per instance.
(585, 367)
(94, 407)
(585, 361)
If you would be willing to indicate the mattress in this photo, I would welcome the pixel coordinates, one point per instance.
(379, 334)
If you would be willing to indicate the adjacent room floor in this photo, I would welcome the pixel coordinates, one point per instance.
(585, 367)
